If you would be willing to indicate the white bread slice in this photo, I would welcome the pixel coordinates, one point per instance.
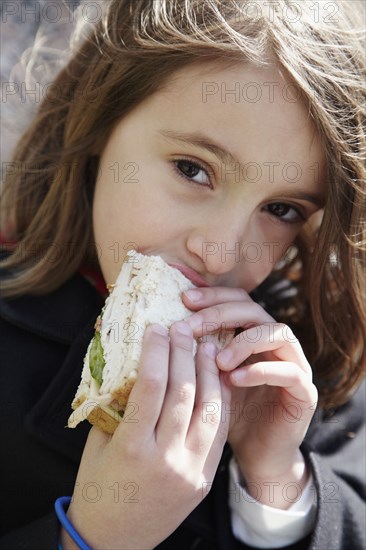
(146, 291)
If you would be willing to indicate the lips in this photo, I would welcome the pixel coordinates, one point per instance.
(192, 275)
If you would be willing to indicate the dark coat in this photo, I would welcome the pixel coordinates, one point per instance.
(43, 341)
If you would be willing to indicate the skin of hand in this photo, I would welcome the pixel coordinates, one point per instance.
(273, 397)
(165, 459)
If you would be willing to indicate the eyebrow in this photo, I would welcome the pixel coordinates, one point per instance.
(203, 142)
(316, 199)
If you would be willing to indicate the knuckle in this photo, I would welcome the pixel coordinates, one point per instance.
(211, 318)
(297, 375)
(183, 393)
(163, 339)
(262, 370)
(154, 340)
(161, 343)
(308, 370)
(222, 433)
(257, 309)
(131, 449)
(182, 341)
(214, 418)
(210, 369)
(154, 330)
(278, 330)
(287, 333)
(177, 416)
(242, 294)
(216, 310)
(152, 383)
(172, 468)
(313, 393)
(201, 446)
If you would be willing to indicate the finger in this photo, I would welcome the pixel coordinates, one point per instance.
(180, 395)
(206, 418)
(198, 298)
(283, 374)
(221, 436)
(227, 316)
(96, 441)
(272, 337)
(149, 389)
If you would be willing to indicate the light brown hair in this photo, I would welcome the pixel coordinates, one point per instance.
(132, 51)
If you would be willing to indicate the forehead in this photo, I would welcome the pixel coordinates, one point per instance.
(240, 93)
(215, 86)
(255, 114)
(236, 103)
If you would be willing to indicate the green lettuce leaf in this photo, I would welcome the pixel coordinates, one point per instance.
(96, 359)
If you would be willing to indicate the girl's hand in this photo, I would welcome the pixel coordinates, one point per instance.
(136, 487)
(273, 397)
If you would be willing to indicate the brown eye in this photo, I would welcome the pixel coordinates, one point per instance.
(285, 212)
(192, 171)
(279, 209)
(188, 168)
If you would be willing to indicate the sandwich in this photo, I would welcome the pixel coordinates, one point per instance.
(146, 291)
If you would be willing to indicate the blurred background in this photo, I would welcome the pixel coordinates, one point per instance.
(34, 40)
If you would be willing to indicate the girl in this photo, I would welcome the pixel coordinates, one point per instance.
(227, 137)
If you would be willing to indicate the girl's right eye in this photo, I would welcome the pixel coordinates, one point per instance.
(192, 171)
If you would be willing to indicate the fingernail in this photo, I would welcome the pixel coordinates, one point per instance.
(183, 328)
(158, 329)
(225, 356)
(210, 349)
(193, 295)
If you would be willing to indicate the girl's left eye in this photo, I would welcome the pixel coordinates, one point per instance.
(192, 171)
(285, 212)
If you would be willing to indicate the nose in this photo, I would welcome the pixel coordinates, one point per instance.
(218, 241)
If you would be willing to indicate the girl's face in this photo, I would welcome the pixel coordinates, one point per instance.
(218, 171)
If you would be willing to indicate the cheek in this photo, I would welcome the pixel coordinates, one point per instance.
(104, 214)
(258, 261)
(116, 201)
(108, 230)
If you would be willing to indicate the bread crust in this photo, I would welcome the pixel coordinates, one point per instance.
(87, 409)
(99, 417)
(122, 394)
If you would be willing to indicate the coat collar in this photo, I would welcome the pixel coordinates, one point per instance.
(65, 316)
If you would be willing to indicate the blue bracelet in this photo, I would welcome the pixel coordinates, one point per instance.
(60, 503)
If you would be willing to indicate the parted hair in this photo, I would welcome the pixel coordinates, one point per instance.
(129, 54)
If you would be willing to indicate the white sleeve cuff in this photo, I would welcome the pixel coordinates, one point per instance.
(263, 526)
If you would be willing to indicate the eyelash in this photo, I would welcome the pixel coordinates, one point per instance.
(300, 215)
(197, 165)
